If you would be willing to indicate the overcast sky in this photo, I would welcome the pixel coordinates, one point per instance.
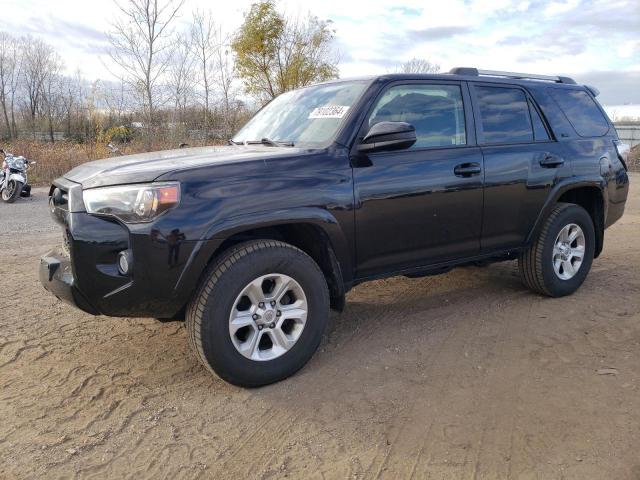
(597, 42)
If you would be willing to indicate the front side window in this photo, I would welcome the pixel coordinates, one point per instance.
(308, 117)
(504, 115)
(581, 110)
(436, 112)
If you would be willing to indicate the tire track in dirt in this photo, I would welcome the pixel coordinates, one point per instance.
(94, 397)
(411, 431)
(491, 437)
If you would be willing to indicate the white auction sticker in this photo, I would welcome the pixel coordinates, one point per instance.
(329, 111)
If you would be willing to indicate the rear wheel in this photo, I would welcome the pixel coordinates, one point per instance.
(12, 192)
(259, 314)
(560, 258)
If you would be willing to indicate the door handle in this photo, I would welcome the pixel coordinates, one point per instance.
(467, 169)
(549, 160)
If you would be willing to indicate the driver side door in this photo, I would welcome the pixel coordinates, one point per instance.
(422, 205)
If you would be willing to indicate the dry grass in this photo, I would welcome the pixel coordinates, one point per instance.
(55, 159)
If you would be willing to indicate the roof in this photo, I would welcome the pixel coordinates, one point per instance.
(468, 75)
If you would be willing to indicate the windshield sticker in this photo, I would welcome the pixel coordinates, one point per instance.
(329, 111)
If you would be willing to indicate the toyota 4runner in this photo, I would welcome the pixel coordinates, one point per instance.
(333, 185)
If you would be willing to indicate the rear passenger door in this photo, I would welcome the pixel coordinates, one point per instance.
(521, 162)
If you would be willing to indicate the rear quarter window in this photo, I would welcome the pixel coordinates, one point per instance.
(581, 111)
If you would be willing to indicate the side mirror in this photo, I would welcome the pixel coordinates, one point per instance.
(386, 136)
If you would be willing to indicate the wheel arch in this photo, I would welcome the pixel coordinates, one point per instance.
(589, 194)
(317, 233)
(308, 237)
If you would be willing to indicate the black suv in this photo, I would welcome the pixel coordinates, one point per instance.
(333, 185)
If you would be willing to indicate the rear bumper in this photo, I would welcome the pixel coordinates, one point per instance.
(617, 194)
(614, 213)
(56, 276)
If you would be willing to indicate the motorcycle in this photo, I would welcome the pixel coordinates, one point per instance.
(13, 177)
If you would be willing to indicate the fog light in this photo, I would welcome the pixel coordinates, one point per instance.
(124, 262)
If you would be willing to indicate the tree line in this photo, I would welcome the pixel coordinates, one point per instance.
(190, 81)
(195, 83)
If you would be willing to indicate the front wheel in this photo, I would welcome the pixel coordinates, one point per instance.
(560, 258)
(259, 314)
(12, 192)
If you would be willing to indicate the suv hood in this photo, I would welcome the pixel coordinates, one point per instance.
(146, 167)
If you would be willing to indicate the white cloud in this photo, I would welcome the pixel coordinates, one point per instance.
(557, 8)
(553, 37)
(628, 49)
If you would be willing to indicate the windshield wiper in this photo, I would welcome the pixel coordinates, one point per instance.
(268, 141)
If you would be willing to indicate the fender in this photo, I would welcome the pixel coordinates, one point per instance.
(206, 247)
(558, 190)
(18, 177)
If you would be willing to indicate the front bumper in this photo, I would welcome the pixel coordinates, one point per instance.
(166, 260)
(56, 276)
(84, 271)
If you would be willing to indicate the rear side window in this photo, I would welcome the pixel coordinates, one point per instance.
(581, 111)
(436, 112)
(504, 115)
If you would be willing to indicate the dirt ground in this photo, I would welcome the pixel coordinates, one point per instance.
(463, 375)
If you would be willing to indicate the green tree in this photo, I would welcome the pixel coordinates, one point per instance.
(275, 54)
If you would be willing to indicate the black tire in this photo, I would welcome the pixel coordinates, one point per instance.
(536, 263)
(12, 192)
(208, 313)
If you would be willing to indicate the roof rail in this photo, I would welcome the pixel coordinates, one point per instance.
(474, 72)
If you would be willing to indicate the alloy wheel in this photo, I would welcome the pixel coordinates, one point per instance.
(268, 317)
(568, 251)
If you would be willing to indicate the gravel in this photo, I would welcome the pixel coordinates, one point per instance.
(26, 215)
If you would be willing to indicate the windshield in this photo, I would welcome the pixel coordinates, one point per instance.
(308, 117)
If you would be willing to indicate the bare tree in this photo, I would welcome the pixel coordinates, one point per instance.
(72, 104)
(141, 45)
(118, 99)
(224, 76)
(418, 65)
(181, 82)
(53, 97)
(206, 46)
(14, 84)
(180, 75)
(41, 64)
(10, 65)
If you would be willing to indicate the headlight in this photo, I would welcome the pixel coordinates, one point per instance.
(132, 203)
